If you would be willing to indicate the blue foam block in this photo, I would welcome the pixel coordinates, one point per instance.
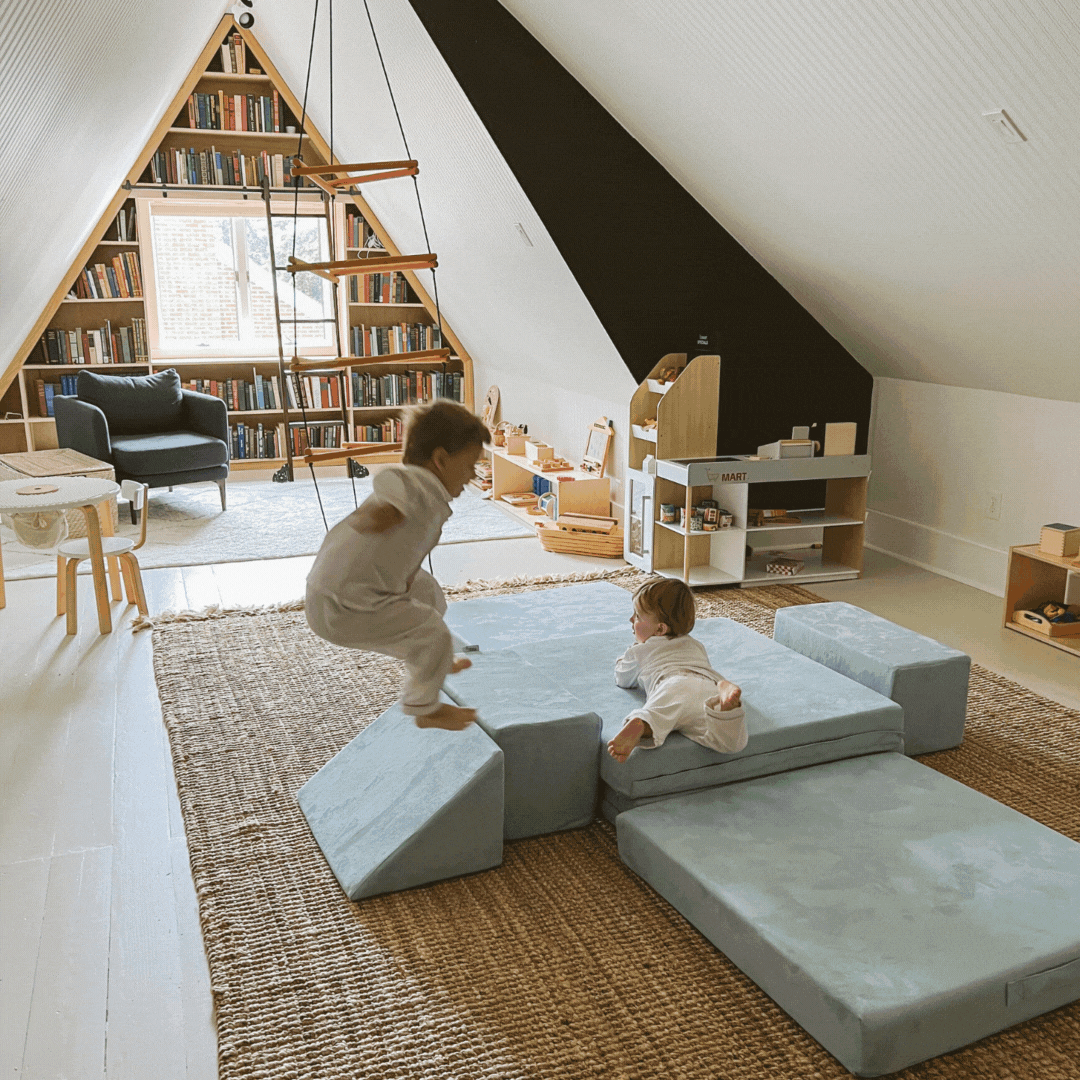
(894, 913)
(401, 806)
(927, 679)
(505, 622)
(550, 741)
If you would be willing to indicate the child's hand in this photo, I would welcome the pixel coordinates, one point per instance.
(376, 517)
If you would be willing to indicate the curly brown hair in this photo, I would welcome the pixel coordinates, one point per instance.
(441, 424)
(670, 601)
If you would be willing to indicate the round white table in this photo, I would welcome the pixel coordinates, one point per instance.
(85, 493)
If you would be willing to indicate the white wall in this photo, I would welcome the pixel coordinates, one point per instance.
(940, 453)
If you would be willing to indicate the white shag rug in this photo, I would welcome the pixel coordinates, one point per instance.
(264, 520)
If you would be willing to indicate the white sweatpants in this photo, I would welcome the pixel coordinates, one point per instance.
(677, 703)
(409, 628)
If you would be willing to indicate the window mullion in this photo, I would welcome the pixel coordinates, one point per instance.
(243, 283)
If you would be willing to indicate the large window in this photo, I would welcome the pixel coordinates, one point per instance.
(212, 290)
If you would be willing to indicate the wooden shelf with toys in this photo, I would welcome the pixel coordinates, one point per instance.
(1042, 587)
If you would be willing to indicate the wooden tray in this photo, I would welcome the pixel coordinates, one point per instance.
(552, 538)
(1032, 620)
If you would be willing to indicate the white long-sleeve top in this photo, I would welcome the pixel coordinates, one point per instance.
(644, 663)
(365, 570)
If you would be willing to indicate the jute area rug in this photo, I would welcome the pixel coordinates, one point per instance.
(559, 964)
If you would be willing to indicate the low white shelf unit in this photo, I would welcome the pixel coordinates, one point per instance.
(718, 558)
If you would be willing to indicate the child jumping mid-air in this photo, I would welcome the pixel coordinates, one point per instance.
(367, 588)
(683, 693)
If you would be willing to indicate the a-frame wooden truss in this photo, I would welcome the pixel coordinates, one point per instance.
(331, 176)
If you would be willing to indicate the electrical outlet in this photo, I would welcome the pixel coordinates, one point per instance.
(992, 505)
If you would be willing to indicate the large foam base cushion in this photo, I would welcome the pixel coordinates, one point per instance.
(893, 912)
(402, 806)
(550, 742)
(928, 679)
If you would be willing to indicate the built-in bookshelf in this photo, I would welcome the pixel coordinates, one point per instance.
(226, 130)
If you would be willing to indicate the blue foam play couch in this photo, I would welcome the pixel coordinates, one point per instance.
(893, 912)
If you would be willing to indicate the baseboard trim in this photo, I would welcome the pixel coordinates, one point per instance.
(940, 552)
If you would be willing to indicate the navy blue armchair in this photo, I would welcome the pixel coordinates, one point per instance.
(148, 428)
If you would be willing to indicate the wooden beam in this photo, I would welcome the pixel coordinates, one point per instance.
(437, 356)
(320, 170)
(359, 267)
(321, 457)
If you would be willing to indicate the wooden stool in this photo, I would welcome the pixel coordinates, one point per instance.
(72, 552)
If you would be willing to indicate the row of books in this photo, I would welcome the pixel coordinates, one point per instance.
(240, 395)
(124, 226)
(389, 288)
(358, 233)
(47, 390)
(234, 55)
(406, 388)
(389, 430)
(222, 168)
(256, 441)
(117, 280)
(107, 345)
(234, 112)
(316, 437)
(403, 337)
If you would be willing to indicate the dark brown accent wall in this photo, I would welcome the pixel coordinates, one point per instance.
(656, 267)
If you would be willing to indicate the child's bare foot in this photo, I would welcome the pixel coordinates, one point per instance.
(633, 731)
(448, 717)
(729, 696)
(460, 664)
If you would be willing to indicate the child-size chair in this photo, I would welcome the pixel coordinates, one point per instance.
(72, 552)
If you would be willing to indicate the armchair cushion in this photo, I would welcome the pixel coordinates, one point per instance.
(167, 452)
(135, 404)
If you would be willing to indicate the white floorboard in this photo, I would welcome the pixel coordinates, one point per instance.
(102, 964)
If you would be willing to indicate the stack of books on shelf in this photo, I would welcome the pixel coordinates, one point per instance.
(234, 112)
(45, 393)
(482, 479)
(316, 392)
(384, 340)
(406, 388)
(234, 55)
(316, 436)
(108, 345)
(359, 234)
(124, 225)
(220, 168)
(240, 395)
(389, 288)
(119, 280)
(388, 430)
(251, 441)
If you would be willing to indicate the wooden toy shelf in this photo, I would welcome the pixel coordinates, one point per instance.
(583, 493)
(1034, 578)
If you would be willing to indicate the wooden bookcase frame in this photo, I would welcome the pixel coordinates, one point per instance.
(33, 432)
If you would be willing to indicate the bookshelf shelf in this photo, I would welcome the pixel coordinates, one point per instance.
(229, 46)
(242, 136)
(102, 300)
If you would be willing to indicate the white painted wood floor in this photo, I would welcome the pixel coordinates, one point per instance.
(102, 966)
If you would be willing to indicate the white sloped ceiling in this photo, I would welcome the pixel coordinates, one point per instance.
(844, 145)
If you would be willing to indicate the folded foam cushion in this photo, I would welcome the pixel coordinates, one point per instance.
(550, 741)
(797, 711)
(893, 912)
(505, 622)
(929, 680)
(401, 806)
